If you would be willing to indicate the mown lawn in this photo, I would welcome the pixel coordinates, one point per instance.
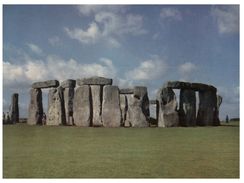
(65, 152)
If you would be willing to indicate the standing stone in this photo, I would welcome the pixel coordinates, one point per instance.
(96, 93)
(111, 113)
(83, 106)
(207, 108)
(187, 112)
(68, 105)
(138, 108)
(129, 112)
(123, 107)
(219, 102)
(69, 91)
(35, 107)
(15, 108)
(56, 112)
(167, 104)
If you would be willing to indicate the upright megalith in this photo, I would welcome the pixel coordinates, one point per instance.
(167, 104)
(111, 113)
(138, 107)
(94, 81)
(97, 96)
(56, 112)
(219, 102)
(207, 110)
(35, 107)
(187, 112)
(15, 108)
(82, 106)
(123, 108)
(68, 93)
(46, 84)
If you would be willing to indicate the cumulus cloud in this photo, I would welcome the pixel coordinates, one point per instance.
(170, 13)
(34, 48)
(109, 24)
(91, 35)
(148, 70)
(54, 68)
(227, 18)
(186, 70)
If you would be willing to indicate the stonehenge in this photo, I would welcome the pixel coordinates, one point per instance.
(96, 102)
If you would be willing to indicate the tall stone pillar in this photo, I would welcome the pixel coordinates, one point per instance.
(35, 107)
(83, 106)
(97, 95)
(187, 112)
(68, 92)
(56, 112)
(15, 108)
(207, 110)
(167, 105)
(111, 113)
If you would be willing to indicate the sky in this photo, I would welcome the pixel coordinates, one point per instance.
(133, 44)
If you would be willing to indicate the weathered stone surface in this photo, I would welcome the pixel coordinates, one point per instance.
(94, 81)
(82, 106)
(111, 113)
(167, 104)
(15, 108)
(70, 83)
(96, 93)
(138, 108)
(46, 84)
(187, 85)
(187, 112)
(68, 105)
(129, 118)
(35, 110)
(153, 102)
(123, 107)
(219, 102)
(207, 111)
(126, 91)
(56, 112)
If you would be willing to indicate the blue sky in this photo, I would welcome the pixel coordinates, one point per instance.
(135, 45)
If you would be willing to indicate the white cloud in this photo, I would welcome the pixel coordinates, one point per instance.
(34, 48)
(109, 25)
(148, 70)
(54, 68)
(170, 13)
(186, 70)
(91, 35)
(93, 9)
(227, 18)
(54, 41)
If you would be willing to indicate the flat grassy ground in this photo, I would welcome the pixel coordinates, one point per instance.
(65, 152)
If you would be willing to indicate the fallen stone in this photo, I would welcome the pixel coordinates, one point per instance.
(111, 113)
(187, 112)
(82, 106)
(68, 105)
(167, 105)
(207, 110)
(94, 81)
(70, 83)
(96, 93)
(35, 111)
(56, 112)
(46, 84)
(15, 108)
(126, 91)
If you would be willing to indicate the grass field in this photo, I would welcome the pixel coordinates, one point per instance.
(66, 152)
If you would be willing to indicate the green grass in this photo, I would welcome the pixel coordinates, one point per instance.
(65, 152)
